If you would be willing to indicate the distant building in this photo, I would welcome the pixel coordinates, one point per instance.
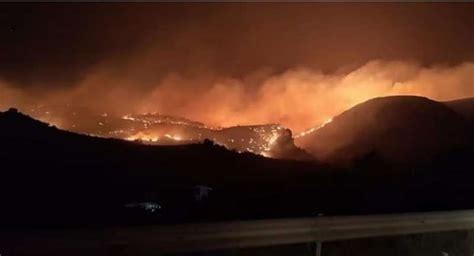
(201, 192)
(147, 206)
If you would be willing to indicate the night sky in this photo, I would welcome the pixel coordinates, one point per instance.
(59, 43)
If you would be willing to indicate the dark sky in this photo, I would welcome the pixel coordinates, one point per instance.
(57, 44)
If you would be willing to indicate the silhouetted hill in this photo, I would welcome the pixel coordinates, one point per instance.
(18, 130)
(56, 178)
(398, 129)
(464, 107)
(50, 172)
(271, 140)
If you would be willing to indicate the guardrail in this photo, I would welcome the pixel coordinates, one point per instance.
(241, 234)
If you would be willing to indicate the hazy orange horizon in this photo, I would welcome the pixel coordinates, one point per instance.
(298, 98)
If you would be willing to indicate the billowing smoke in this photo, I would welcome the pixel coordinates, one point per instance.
(298, 98)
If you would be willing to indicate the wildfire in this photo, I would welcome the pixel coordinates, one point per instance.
(154, 138)
(255, 139)
(270, 140)
(304, 133)
(155, 118)
(157, 129)
(143, 137)
(173, 137)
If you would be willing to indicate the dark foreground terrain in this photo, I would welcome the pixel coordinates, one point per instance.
(55, 178)
(451, 243)
(338, 236)
(459, 243)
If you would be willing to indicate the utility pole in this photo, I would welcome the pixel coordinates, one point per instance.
(318, 248)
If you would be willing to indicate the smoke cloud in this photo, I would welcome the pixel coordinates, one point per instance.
(227, 64)
(298, 98)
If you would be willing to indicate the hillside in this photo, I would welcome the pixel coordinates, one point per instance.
(57, 178)
(51, 175)
(270, 140)
(398, 130)
(464, 107)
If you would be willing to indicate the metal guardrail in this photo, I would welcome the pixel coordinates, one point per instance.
(241, 234)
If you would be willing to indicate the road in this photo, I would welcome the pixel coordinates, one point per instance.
(236, 234)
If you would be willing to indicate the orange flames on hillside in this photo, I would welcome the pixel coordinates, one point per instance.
(298, 98)
(154, 138)
(254, 139)
(156, 129)
(313, 129)
(301, 99)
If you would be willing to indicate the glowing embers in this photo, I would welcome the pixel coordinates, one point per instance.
(157, 129)
(143, 137)
(270, 139)
(173, 137)
(155, 118)
(163, 139)
(261, 139)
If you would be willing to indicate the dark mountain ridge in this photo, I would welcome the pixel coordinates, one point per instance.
(399, 129)
(56, 178)
(464, 107)
(55, 175)
(270, 140)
